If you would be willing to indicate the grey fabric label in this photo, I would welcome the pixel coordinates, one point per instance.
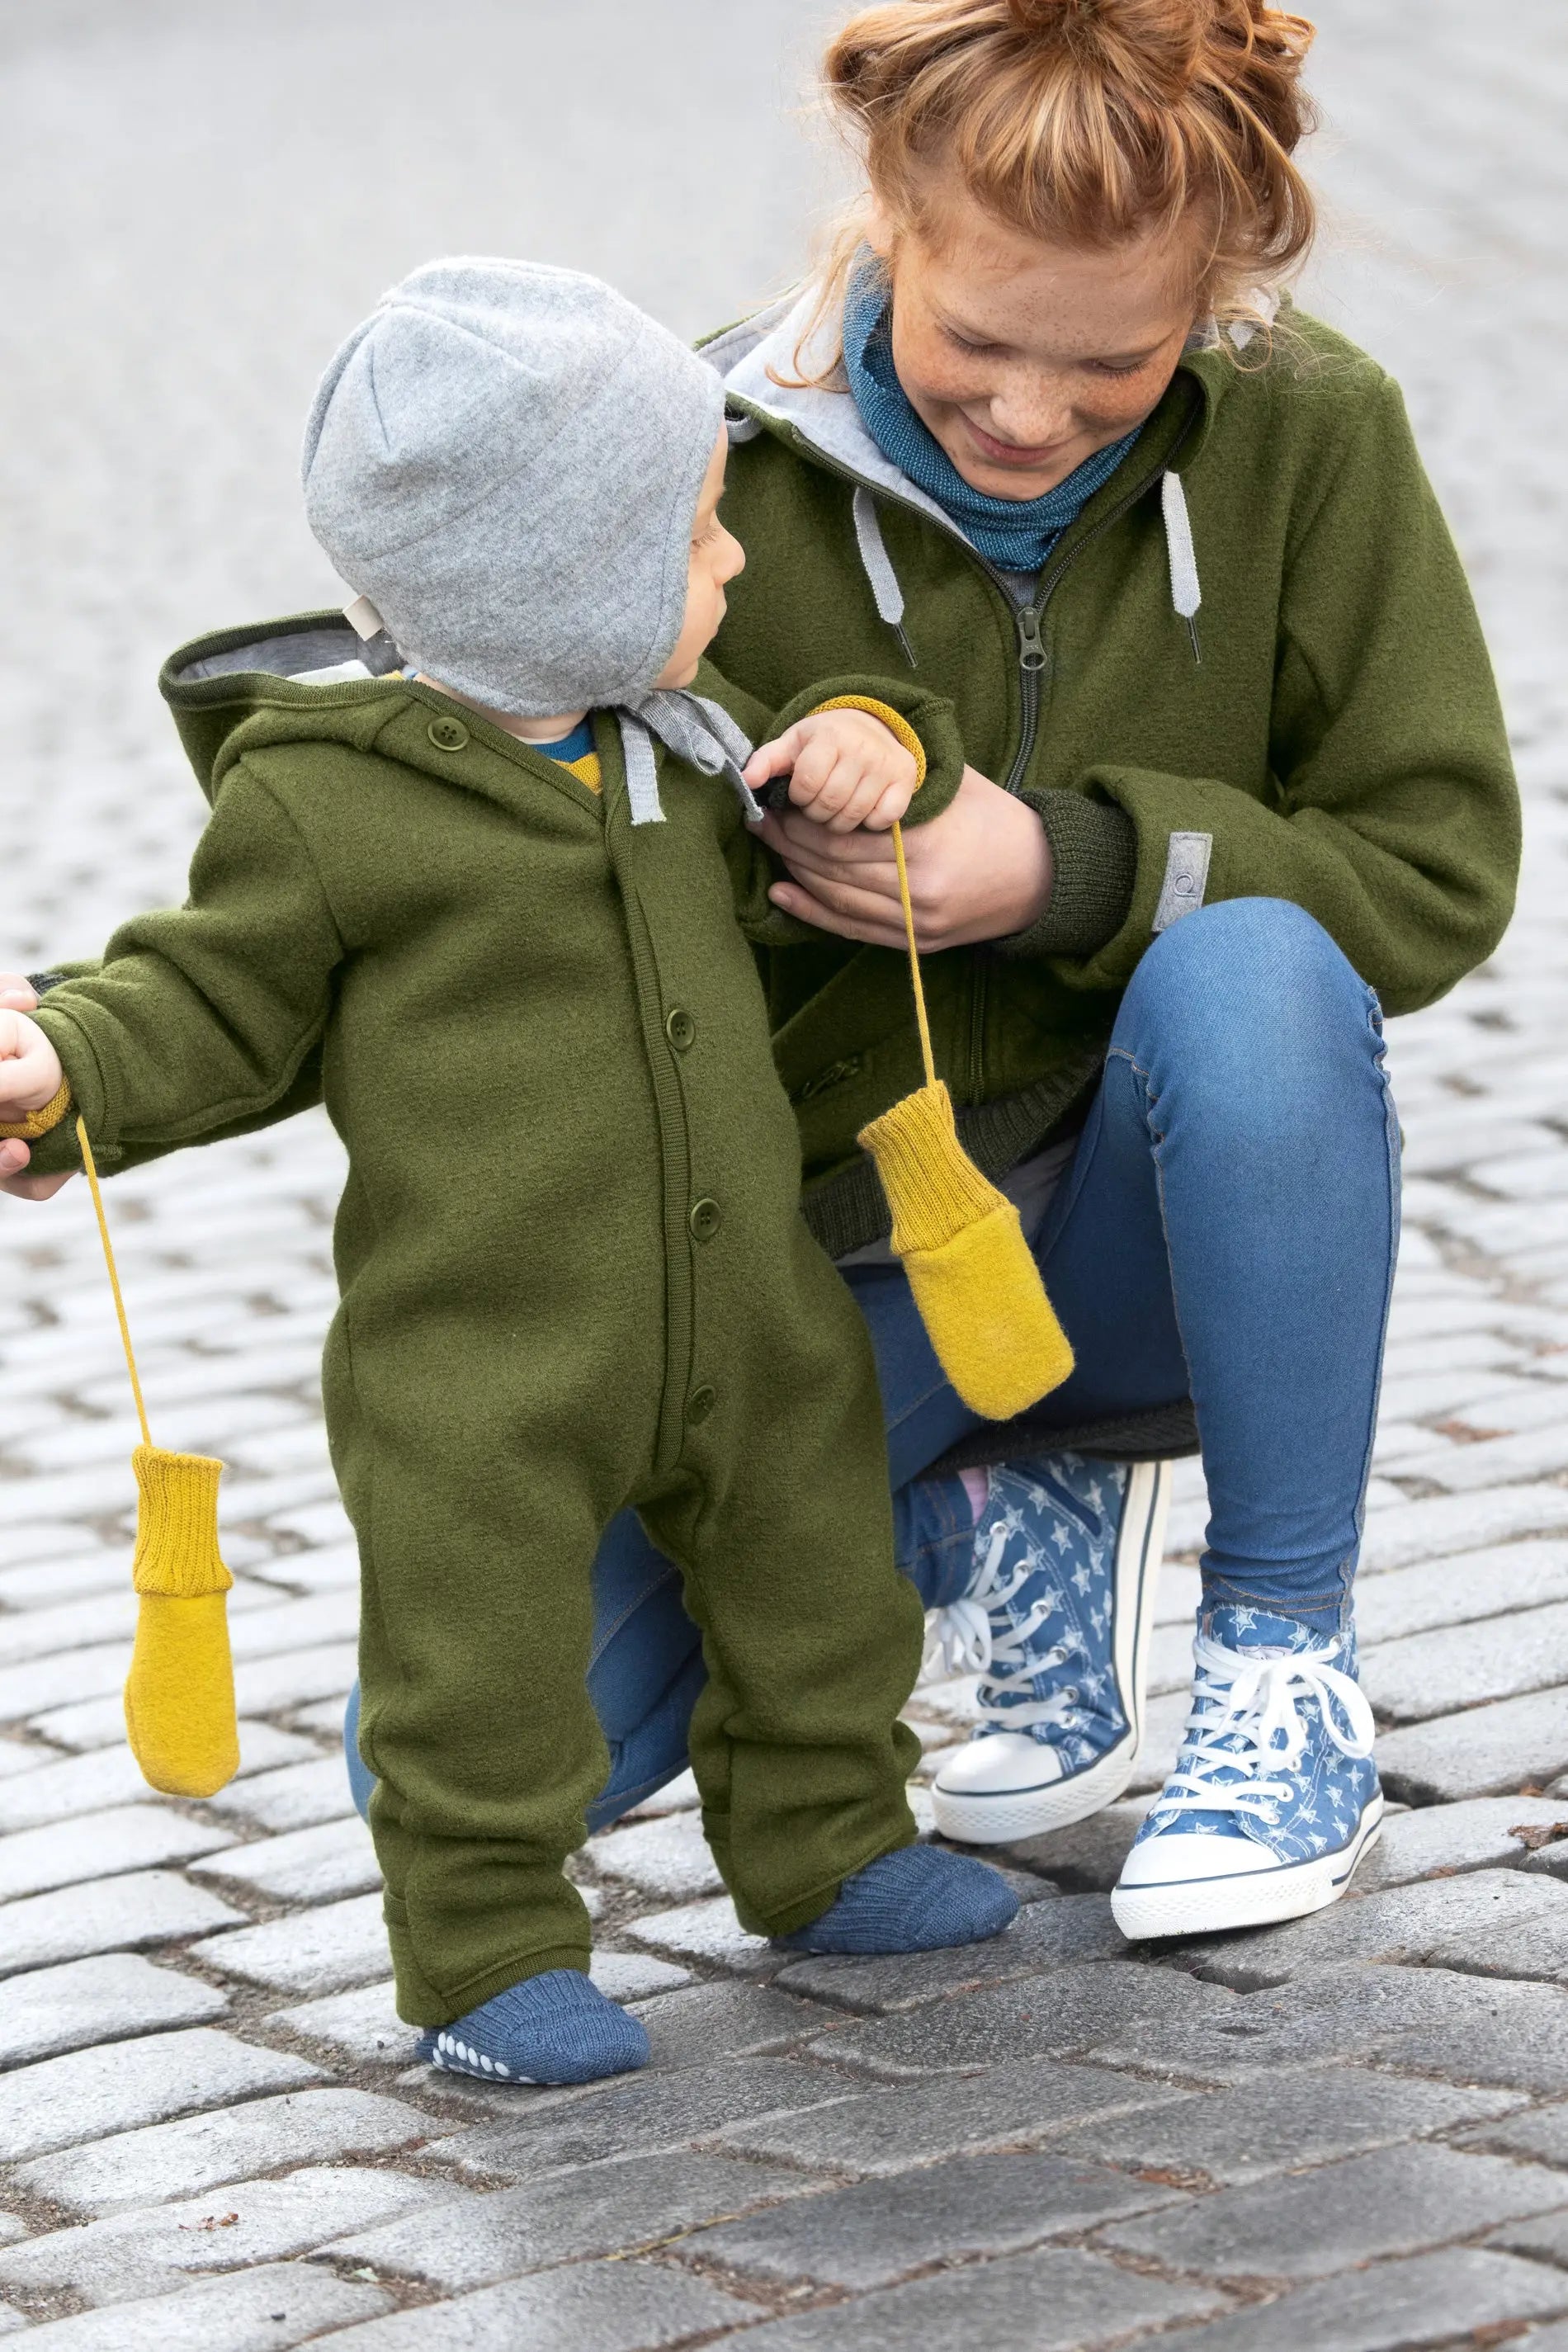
(1187, 877)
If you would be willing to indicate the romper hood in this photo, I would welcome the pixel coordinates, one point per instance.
(506, 459)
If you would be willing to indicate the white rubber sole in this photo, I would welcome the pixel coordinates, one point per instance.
(1257, 1898)
(1003, 1816)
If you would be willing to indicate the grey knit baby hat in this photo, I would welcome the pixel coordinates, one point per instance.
(506, 459)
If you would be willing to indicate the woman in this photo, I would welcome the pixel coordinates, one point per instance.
(1239, 779)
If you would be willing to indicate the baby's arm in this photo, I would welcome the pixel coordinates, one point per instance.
(847, 766)
(198, 1018)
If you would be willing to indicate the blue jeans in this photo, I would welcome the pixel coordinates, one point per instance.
(1227, 1230)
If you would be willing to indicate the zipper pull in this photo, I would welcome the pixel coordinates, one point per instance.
(1032, 653)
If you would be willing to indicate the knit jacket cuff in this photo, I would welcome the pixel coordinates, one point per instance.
(929, 718)
(1094, 865)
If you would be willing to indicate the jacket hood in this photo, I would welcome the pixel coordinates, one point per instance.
(296, 679)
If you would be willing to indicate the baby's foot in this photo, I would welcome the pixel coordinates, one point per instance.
(555, 2028)
(912, 1901)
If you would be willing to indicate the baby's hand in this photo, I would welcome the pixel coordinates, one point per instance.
(30, 1072)
(845, 770)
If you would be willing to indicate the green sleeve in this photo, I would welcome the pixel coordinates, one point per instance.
(203, 1020)
(752, 867)
(1393, 814)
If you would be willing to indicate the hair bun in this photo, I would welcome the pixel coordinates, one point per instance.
(1159, 43)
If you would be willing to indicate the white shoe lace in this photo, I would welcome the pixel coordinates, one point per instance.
(962, 1639)
(1253, 1703)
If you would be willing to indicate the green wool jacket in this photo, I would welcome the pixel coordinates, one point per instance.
(573, 1271)
(1338, 744)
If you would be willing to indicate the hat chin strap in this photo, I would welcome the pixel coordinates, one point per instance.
(696, 729)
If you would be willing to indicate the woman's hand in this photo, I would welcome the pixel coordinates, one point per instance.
(978, 871)
(16, 995)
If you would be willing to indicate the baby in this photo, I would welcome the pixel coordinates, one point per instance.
(485, 861)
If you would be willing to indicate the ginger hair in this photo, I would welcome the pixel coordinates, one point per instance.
(1086, 122)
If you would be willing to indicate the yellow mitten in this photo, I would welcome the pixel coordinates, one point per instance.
(971, 1272)
(179, 1695)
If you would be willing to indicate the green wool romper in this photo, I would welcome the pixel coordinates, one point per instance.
(573, 1272)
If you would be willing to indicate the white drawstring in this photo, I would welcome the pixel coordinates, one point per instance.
(1256, 1711)
(1186, 589)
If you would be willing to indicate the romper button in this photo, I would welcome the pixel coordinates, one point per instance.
(448, 734)
(680, 1029)
(700, 1404)
(704, 1219)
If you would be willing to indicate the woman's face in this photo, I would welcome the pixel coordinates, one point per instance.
(1021, 357)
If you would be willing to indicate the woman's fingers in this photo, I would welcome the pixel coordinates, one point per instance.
(848, 913)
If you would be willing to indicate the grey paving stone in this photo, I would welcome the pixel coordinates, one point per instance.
(615, 2306)
(68, 1678)
(1402, 1923)
(95, 2000)
(203, 2151)
(61, 2102)
(133, 2253)
(1047, 1934)
(363, 2026)
(1454, 1591)
(57, 1789)
(707, 1931)
(294, 1626)
(1400, 2200)
(634, 1976)
(1543, 2240)
(1445, 1524)
(1484, 1753)
(668, 1858)
(705, 2021)
(877, 2232)
(1449, 2298)
(1108, 2003)
(313, 1951)
(296, 1797)
(1453, 1667)
(145, 1907)
(1060, 2300)
(1290, 2118)
(1540, 2132)
(627, 2117)
(266, 2310)
(20, 1756)
(604, 2208)
(325, 1569)
(70, 1624)
(1478, 1833)
(101, 1845)
(1088, 1856)
(316, 1866)
(889, 2130)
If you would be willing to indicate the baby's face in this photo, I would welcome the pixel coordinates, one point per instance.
(716, 558)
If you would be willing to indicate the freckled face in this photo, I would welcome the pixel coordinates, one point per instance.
(1021, 357)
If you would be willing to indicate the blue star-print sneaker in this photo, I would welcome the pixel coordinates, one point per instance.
(1056, 1624)
(1274, 1797)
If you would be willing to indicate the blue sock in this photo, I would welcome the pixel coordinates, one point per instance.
(915, 1900)
(555, 2028)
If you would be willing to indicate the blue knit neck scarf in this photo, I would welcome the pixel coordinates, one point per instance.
(1017, 534)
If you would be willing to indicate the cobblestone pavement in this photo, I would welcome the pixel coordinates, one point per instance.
(1349, 2133)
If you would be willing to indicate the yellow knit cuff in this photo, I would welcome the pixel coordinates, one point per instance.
(893, 720)
(38, 1122)
(933, 1188)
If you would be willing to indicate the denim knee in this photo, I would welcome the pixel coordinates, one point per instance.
(1250, 1004)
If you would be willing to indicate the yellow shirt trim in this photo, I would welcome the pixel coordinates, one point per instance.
(893, 720)
(585, 770)
(38, 1122)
